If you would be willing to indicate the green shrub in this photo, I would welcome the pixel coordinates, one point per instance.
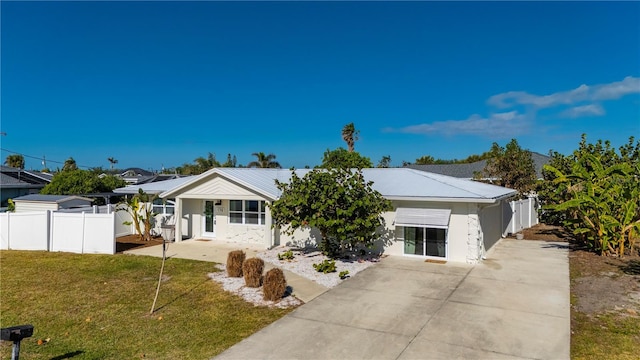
(287, 255)
(275, 285)
(234, 263)
(252, 271)
(326, 266)
(344, 274)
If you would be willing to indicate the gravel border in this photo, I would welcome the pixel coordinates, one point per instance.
(302, 264)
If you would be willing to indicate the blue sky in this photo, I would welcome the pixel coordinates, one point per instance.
(157, 84)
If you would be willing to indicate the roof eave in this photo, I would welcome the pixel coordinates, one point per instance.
(451, 199)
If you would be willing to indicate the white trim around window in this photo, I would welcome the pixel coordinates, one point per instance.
(247, 212)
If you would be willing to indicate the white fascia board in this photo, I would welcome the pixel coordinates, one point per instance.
(439, 199)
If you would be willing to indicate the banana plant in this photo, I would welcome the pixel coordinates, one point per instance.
(603, 202)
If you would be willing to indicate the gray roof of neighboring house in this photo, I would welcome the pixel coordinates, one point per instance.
(466, 171)
(20, 178)
(392, 183)
(50, 198)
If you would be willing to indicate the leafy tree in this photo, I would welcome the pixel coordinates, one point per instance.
(15, 161)
(341, 158)
(79, 182)
(511, 167)
(350, 135)
(264, 161)
(595, 193)
(69, 165)
(429, 160)
(338, 202)
(203, 164)
(231, 161)
(385, 162)
(425, 160)
(112, 162)
(199, 166)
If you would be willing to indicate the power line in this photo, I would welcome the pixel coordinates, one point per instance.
(41, 158)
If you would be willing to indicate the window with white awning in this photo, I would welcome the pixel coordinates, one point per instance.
(416, 217)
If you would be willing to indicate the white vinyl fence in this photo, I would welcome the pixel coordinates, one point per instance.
(86, 230)
(524, 214)
(82, 230)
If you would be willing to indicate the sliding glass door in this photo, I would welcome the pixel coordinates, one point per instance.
(425, 241)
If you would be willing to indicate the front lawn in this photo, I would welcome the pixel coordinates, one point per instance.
(97, 307)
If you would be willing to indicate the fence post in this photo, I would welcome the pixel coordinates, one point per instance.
(49, 229)
(8, 230)
(84, 220)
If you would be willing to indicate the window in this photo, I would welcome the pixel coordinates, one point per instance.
(250, 212)
(425, 241)
(162, 207)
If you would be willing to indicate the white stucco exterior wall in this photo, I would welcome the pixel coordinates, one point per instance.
(457, 234)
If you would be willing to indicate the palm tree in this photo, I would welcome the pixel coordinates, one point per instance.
(69, 164)
(113, 161)
(350, 135)
(264, 161)
(15, 161)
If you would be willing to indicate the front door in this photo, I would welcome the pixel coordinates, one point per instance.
(209, 219)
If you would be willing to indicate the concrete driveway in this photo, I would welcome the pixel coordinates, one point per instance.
(514, 305)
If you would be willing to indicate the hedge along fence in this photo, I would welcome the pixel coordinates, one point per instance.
(58, 231)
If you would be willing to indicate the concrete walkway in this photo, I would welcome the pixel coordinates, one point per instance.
(217, 251)
(514, 305)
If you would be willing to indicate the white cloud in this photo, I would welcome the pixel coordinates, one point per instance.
(583, 93)
(584, 110)
(496, 125)
(579, 102)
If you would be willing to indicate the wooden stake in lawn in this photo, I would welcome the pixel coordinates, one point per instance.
(164, 257)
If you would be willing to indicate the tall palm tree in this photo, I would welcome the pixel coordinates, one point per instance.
(15, 161)
(350, 135)
(113, 161)
(264, 161)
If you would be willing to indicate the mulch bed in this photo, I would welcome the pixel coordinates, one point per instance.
(544, 232)
(129, 242)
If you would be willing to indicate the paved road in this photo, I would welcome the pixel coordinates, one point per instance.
(514, 305)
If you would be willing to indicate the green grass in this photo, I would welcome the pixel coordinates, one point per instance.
(605, 337)
(97, 307)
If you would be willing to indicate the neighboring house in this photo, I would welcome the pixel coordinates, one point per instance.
(37, 202)
(17, 182)
(140, 176)
(434, 216)
(160, 206)
(467, 171)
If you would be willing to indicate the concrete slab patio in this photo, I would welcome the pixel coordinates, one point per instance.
(217, 251)
(514, 305)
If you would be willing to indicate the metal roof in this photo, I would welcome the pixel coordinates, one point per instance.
(154, 187)
(50, 198)
(392, 183)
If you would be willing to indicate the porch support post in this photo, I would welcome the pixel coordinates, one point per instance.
(178, 216)
(268, 231)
